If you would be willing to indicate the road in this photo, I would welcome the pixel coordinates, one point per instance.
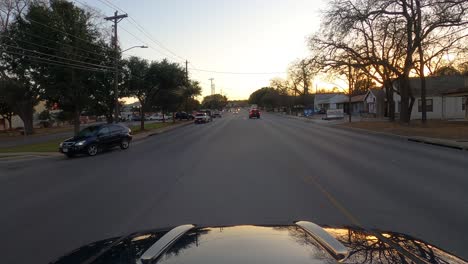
(235, 171)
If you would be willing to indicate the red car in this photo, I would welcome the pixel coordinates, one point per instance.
(254, 113)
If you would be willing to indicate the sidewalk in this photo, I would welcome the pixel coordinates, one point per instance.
(137, 137)
(460, 144)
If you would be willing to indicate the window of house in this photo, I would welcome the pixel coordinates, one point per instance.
(463, 104)
(399, 107)
(429, 107)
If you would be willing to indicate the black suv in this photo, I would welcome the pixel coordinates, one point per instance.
(95, 138)
(184, 116)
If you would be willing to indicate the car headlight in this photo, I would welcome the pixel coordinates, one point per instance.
(61, 144)
(81, 143)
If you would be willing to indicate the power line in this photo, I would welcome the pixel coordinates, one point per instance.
(142, 29)
(52, 62)
(50, 48)
(63, 58)
(237, 73)
(144, 42)
(62, 44)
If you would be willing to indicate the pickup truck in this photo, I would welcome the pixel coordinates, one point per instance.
(202, 118)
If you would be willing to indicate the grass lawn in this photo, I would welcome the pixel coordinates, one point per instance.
(453, 130)
(152, 126)
(37, 131)
(49, 146)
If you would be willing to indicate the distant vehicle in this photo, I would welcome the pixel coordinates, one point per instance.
(254, 113)
(95, 138)
(202, 118)
(217, 114)
(135, 118)
(184, 116)
(208, 112)
(300, 242)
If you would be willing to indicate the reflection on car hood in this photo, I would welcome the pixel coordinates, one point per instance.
(263, 244)
(76, 139)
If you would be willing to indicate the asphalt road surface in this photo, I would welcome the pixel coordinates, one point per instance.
(235, 171)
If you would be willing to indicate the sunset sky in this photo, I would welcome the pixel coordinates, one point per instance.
(241, 36)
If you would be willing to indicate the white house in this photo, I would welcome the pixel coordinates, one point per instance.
(322, 101)
(446, 97)
(374, 101)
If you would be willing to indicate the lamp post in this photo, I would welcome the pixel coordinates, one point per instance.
(116, 90)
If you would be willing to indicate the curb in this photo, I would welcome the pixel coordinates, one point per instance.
(423, 140)
(19, 154)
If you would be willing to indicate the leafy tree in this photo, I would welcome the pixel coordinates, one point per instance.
(159, 84)
(6, 112)
(44, 115)
(215, 101)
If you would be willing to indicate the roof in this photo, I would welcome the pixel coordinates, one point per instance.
(324, 98)
(355, 99)
(440, 85)
(379, 94)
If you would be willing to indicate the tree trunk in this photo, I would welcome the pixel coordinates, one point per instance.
(422, 77)
(76, 120)
(390, 102)
(142, 118)
(404, 93)
(10, 127)
(25, 112)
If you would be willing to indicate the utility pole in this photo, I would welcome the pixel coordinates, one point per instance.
(350, 89)
(186, 71)
(116, 18)
(212, 86)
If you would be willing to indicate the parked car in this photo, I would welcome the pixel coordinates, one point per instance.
(92, 139)
(135, 118)
(217, 114)
(201, 118)
(184, 116)
(300, 242)
(254, 113)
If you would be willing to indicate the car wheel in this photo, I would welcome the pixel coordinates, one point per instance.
(92, 150)
(125, 144)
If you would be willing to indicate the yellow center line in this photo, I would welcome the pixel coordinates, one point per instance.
(333, 200)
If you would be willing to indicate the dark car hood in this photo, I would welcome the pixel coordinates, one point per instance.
(262, 244)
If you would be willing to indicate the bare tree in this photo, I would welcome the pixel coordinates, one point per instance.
(387, 35)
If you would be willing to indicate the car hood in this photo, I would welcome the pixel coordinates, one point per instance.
(259, 244)
(76, 139)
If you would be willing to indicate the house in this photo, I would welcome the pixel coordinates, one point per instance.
(357, 104)
(446, 97)
(374, 101)
(328, 100)
(322, 101)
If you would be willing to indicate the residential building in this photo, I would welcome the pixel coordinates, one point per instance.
(374, 101)
(357, 104)
(328, 100)
(446, 97)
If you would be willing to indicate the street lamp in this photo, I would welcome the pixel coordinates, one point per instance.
(141, 47)
(116, 86)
